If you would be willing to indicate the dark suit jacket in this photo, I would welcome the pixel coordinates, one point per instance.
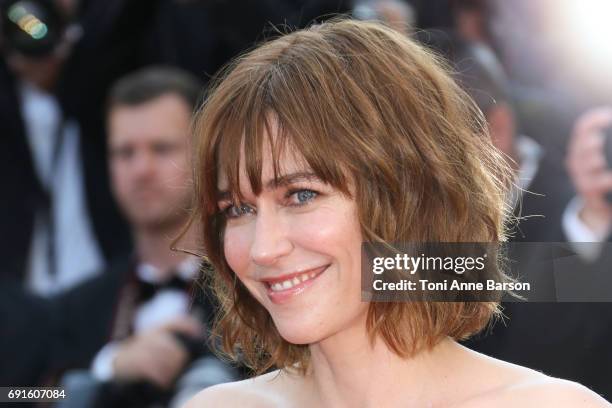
(26, 327)
(42, 337)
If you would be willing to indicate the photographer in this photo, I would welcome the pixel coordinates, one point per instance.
(588, 217)
(59, 222)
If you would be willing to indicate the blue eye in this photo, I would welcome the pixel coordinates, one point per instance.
(237, 211)
(303, 196)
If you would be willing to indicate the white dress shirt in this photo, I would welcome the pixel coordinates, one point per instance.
(586, 242)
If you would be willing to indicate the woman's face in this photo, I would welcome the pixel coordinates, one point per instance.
(297, 248)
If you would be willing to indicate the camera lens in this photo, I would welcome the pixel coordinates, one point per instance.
(31, 27)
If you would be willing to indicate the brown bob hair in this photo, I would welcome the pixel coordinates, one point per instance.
(364, 106)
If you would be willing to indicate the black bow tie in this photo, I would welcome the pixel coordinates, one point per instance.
(147, 290)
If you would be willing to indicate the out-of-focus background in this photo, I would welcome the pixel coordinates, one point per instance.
(96, 99)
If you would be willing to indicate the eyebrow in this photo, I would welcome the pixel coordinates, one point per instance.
(281, 181)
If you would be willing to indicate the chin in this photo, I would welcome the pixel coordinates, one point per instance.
(300, 338)
(299, 332)
(316, 327)
(153, 218)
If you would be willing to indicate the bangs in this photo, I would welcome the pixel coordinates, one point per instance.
(272, 121)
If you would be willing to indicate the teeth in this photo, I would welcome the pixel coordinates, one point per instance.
(289, 283)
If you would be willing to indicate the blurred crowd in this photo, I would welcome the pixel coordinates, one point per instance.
(96, 100)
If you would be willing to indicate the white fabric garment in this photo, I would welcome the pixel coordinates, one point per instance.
(77, 253)
(529, 154)
(584, 241)
(165, 306)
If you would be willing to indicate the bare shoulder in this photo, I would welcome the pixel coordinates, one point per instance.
(268, 390)
(539, 390)
(548, 391)
(511, 385)
(222, 395)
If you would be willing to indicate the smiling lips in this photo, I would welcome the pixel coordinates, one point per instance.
(282, 288)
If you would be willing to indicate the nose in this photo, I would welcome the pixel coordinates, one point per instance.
(143, 164)
(271, 241)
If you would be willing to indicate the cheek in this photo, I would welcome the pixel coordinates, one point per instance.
(335, 237)
(120, 178)
(175, 173)
(237, 247)
(330, 230)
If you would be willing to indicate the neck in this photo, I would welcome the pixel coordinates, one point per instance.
(350, 372)
(153, 246)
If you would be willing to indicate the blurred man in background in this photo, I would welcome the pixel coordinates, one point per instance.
(55, 173)
(142, 306)
(589, 163)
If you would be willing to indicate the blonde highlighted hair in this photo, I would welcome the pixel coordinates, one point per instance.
(367, 107)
